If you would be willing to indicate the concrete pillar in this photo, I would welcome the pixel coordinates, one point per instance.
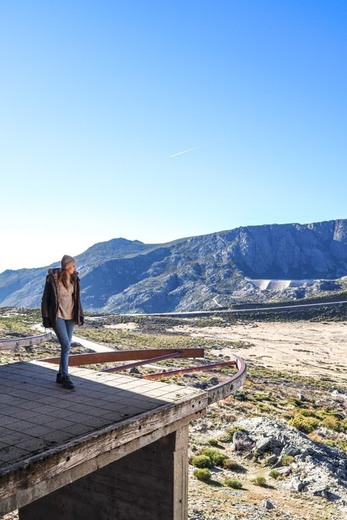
(149, 484)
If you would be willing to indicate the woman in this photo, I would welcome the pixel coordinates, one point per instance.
(61, 309)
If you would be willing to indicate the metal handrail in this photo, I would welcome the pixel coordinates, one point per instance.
(215, 393)
(219, 391)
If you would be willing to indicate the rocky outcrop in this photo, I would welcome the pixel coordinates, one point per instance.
(314, 469)
(248, 264)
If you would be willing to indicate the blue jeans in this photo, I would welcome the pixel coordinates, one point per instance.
(64, 330)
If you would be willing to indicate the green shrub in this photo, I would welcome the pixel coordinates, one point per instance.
(308, 412)
(227, 436)
(260, 481)
(202, 474)
(235, 484)
(202, 461)
(298, 402)
(261, 397)
(304, 424)
(232, 465)
(332, 423)
(287, 416)
(274, 474)
(255, 456)
(287, 459)
(213, 442)
(264, 408)
(216, 457)
(336, 444)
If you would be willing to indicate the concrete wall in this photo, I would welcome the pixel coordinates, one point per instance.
(149, 484)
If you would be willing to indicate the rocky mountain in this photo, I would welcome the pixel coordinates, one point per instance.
(247, 264)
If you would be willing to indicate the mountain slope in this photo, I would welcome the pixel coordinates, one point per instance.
(254, 263)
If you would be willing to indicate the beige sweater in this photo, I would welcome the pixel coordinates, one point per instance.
(66, 302)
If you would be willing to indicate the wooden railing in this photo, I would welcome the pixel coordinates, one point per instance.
(26, 341)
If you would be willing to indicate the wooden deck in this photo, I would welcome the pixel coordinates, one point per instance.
(50, 437)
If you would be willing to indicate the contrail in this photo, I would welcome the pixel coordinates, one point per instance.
(186, 151)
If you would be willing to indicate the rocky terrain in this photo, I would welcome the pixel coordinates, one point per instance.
(281, 473)
(248, 264)
(277, 447)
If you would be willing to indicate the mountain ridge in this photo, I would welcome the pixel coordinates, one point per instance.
(246, 264)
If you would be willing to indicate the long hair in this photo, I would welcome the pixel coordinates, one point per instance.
(64, 277)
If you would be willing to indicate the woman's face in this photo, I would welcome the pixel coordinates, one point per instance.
(71, 268)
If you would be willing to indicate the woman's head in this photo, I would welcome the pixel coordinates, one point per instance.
(68, 263)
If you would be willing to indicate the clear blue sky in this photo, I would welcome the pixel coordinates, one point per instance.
(100, 98)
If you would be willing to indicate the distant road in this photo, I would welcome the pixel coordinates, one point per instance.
(297, 306)
(245, 310)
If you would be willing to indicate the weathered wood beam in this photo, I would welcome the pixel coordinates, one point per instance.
(27, 341)
(228, 386)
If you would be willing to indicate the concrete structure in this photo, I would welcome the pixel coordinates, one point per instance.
(114, 448)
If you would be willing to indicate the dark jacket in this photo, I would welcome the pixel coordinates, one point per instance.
(49, 303)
